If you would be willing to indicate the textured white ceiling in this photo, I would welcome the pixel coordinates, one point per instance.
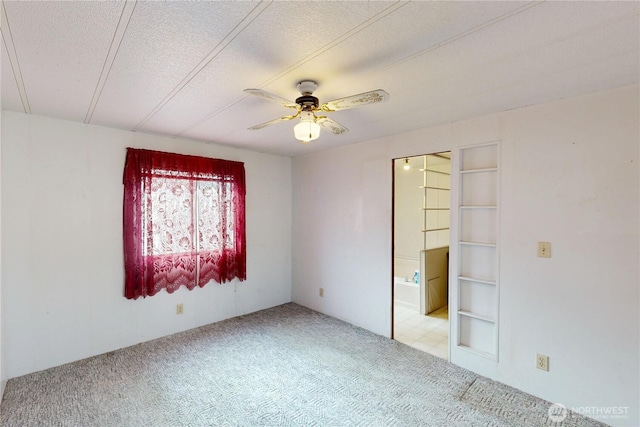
(179, 68)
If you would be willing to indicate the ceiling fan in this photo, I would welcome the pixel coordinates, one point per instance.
(307, 106)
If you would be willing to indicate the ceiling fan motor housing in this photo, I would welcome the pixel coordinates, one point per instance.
(307, 87)
(307, 102)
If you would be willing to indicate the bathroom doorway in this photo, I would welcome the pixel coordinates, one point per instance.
(421, 212)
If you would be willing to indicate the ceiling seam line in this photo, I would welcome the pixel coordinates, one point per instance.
(118, 37)
(466, 33)
(13, 60)
(318, 52)
(13, 71)
(539, 77)
(235, 32)
(366, 24)
(552, 42)
(501, 88)
(215, 113)
(556, 40)
(612, 21)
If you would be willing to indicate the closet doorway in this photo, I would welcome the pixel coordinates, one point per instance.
(421, 219)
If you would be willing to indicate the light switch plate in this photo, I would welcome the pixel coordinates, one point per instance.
(544, 249)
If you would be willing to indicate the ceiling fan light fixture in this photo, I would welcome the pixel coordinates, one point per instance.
(307, 130)
(307, 105)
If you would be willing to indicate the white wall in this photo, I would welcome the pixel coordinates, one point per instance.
(62, 255)
(3, 372)
(569, 176)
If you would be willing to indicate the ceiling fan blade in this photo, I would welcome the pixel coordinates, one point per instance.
(331, 125)
(273, 122)
(271, 97)
(353, 101)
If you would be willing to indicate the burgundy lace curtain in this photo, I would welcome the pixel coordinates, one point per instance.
(184, 221)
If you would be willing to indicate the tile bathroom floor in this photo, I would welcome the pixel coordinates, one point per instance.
(427, 333)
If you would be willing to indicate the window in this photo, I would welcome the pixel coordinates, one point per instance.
(184, 222)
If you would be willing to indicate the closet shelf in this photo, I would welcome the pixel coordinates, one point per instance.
(478, 271)
(480, 170)
(434, 188)
(429, 170)
(478, 207)
(436, 209)
(472, 279)
(434, 229)
(476, 316)
(488, 245)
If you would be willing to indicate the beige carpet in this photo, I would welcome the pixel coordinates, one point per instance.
(286, 366)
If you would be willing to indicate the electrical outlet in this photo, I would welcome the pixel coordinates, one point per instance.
(179, 309)
(322, 292)
(544, 249)
(542, 362)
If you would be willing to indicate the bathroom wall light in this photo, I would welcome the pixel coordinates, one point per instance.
(406, 166)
